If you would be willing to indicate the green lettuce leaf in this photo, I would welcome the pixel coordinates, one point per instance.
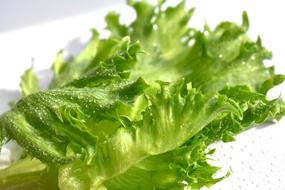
(210, 59)
(109, 51)
(98, 110)
(28, 174)
(188, 164)
(59, 116)
(29, 83)
(174, 109)
(139, 109)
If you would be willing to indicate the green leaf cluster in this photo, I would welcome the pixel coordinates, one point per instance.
(138, 110)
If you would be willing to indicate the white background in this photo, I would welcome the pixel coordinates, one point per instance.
(36, 30)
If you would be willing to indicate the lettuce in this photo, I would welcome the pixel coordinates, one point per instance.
(29, 83)
(28, 174)
(209, 59)
(139, 109)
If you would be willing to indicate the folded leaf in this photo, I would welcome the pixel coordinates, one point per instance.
(188, 164)
(176, 112)
(60, 118)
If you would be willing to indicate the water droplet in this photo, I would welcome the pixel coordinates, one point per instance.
(155, 27)
(153, 19)
(184, 39)
(191, 42)
(192, 33)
